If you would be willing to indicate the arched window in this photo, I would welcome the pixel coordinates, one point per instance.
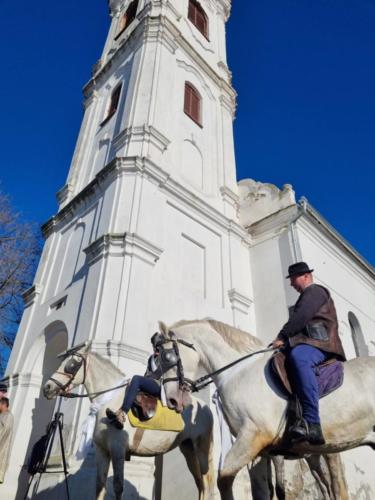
(128, 17)
(198, 17)
(360, 346)
(193, 103)
(113, 104)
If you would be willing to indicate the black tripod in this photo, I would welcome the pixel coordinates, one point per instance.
(41, 452)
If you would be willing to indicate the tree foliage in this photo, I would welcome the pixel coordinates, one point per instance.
(20, 248)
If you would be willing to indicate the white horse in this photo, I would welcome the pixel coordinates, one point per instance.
(253, 409)
(81, 366)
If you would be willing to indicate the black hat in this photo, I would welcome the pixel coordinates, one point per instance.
(298, 269)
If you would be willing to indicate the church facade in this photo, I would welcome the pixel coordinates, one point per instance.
(152, 225)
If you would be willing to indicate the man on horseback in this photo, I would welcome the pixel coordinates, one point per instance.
(149, 383)
(309, 338)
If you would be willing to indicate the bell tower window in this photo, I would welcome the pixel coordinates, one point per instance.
(128, 17)
(193, 103)
(113, 104)
(198, 17)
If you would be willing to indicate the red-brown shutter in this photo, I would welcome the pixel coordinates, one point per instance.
(198, 17)
(192, 104)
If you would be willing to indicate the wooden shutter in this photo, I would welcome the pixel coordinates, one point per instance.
(192, 104)
(198, 17)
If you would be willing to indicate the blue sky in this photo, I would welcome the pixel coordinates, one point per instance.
(305, 76)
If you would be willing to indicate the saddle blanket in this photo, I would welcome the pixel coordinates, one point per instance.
(329, 375)
(163, 420)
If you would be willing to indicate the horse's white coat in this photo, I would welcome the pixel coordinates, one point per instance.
(195, 441)
(255, 413)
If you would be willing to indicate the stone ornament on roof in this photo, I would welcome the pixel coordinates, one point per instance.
(115, 6)
(259, 200)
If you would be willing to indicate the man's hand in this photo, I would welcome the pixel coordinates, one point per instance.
(277, 343)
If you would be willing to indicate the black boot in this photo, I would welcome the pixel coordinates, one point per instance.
(299, 431)
(315, 434)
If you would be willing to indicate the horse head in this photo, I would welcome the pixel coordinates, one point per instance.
(71, 372)
(179, 363)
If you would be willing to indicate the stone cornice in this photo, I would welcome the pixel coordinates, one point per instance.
(64, 193)
(228, 104)
(23, 380)
(225, 8)
(146, 133)
(145, 167)
(30, 295)
(239, 301)
(322, 225)
(120, 349)
(160, 28)
(229, 196)
(121, 245)
(273, 224)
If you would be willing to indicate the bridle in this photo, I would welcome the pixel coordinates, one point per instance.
(170, 358)
(71, 368)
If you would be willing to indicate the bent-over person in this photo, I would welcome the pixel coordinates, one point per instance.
(148, 383)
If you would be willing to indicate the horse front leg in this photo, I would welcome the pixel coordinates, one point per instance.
(102, 466)
(278, 463)
(339, 486)
(204, 450)
(188, 450)
(320, 475)
(118, 461)
(245, 449)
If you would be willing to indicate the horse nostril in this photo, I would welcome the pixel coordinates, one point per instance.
(47, 388)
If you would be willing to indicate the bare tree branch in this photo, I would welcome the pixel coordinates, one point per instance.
(20, 248)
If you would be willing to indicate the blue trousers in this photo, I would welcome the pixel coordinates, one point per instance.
(301, 362)
(139, 383)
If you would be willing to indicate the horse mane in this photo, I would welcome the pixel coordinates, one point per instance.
(237, 339)
(106, 362)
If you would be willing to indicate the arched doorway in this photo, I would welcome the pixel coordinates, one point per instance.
(358, 338)
(41, 362)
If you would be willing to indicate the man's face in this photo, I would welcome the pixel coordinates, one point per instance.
(2, 407)
(300, 282)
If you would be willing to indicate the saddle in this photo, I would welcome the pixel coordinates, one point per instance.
(330, 374)
(148, 413)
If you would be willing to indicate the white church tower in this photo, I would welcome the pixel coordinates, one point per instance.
(147, 225)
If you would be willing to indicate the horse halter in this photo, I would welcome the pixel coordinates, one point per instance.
(71, 368)
(170, 358)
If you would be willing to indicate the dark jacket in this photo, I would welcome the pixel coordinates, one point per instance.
(314, 322)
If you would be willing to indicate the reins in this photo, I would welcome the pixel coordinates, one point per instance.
(202, 382)
(72, 395)
(198, 385)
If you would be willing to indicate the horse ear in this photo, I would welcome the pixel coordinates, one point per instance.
(163, 328)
